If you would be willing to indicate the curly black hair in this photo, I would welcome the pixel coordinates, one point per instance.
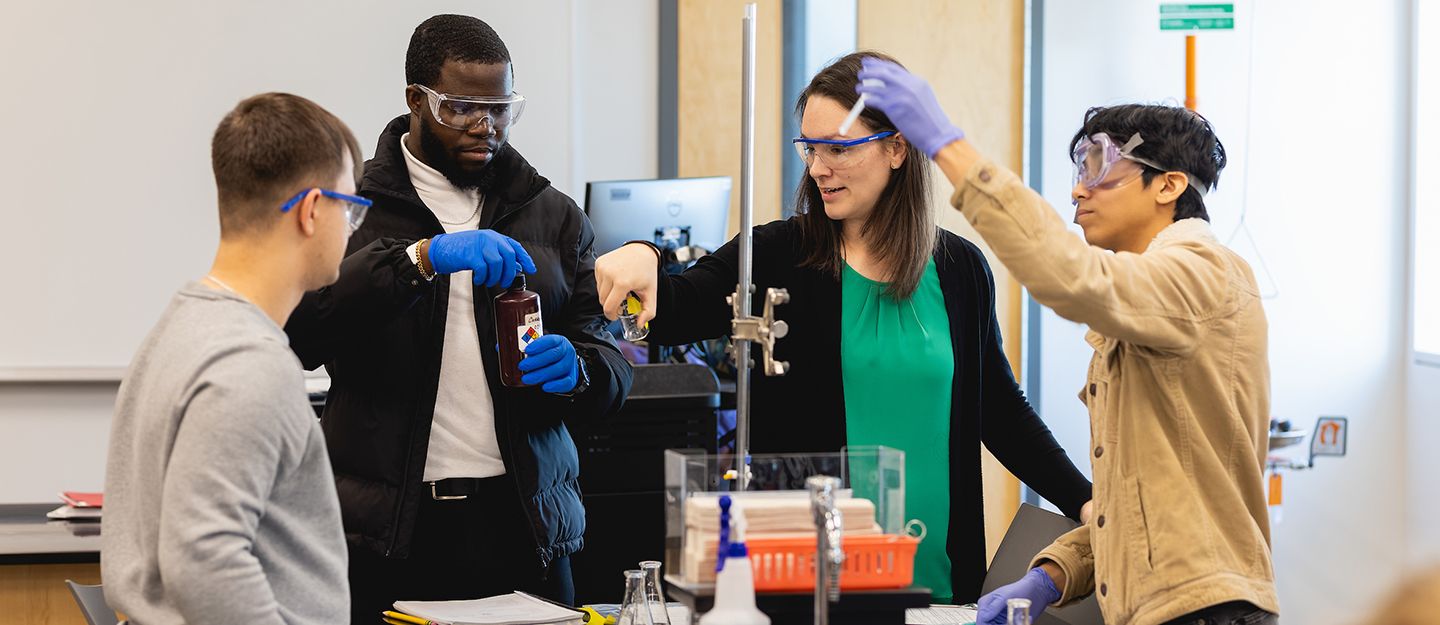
(1175, 137)
(451, 38)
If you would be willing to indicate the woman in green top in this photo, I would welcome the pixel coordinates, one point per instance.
(892, 341)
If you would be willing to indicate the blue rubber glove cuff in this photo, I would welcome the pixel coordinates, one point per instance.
(550, 362)
(1044, 583)
(1035, 586)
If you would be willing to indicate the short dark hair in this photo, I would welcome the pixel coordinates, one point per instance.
(270, 147)
(902, 223)
(1174, 137)
(451, 38)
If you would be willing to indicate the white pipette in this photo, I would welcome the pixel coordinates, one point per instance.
(859, 105)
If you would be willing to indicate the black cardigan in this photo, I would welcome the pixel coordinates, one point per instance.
(804, 411)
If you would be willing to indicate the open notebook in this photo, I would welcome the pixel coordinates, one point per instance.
(511, 609)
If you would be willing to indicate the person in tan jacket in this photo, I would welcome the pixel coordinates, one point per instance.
(1178, 389)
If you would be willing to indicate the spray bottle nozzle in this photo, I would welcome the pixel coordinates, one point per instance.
(724, 534)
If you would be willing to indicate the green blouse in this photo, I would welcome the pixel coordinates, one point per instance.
(897, 366)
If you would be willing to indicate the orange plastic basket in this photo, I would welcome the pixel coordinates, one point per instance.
(871, 562)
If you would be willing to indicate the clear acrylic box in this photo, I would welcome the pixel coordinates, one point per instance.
(866, 472)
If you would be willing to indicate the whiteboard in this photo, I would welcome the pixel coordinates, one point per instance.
(109, 202)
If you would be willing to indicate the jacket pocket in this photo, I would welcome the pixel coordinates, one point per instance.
(1138, 580)
(1099, 404)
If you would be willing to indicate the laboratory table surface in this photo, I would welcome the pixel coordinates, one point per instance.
(28, 537)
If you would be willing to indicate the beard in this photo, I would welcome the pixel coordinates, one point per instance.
(446, 163)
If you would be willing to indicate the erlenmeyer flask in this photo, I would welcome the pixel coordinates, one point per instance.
(1019, 612)
(654, 599)
(633, 610)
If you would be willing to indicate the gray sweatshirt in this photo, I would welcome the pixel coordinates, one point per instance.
(220, 505)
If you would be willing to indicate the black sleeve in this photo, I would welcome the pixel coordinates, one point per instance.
(583, 322)
(691, 305)
(1013, 432)
(377, 283)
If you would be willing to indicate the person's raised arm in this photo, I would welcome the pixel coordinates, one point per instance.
(1163, 300)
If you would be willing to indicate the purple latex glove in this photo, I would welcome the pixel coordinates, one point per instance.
(1035, 586)
(493, 257)
(550, 362)
(909, 103)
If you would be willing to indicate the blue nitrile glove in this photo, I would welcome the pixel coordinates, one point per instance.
(491, 255)
(909, 103)
(550, 362)
(1035, 586)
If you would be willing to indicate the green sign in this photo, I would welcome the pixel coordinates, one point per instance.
(1197, 17)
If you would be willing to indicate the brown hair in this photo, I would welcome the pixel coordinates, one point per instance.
(902, 225)
(269, 148)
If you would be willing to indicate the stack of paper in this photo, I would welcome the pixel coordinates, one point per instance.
(512, 609)
(941, 615)
(765, 517)
(78, 506)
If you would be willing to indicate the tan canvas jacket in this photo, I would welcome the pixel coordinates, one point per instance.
(1179, 397)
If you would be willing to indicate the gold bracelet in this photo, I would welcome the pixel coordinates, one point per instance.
(420, 265)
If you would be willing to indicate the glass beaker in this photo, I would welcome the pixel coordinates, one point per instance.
(630, 320)
(1019, 612)
(633, 611)
(654, 599)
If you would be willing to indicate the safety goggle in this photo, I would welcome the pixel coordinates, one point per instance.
(1098, 163)
(835, 153)
(465, 112)
(355, 206)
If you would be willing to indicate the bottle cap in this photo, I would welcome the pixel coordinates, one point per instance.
(738, 550)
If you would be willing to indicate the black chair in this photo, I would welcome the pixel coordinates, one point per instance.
(91, 600)
(1033, 530)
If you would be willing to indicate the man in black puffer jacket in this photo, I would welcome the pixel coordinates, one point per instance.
(453, 486)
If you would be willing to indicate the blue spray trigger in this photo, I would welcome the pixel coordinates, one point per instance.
(724, 533)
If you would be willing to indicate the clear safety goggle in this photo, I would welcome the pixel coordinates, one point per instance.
(1099, 163)
(836, 153)
(465, 112)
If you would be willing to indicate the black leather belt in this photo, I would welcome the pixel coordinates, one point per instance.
(459, 487)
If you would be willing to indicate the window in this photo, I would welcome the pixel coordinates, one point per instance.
(1426, 244)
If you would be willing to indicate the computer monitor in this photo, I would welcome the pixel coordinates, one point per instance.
(671, 213)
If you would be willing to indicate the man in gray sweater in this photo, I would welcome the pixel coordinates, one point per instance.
(221, 505)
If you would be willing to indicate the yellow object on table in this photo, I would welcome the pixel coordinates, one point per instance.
(594, 617)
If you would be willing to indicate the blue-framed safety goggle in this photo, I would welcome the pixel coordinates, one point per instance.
(834, 153)
(355, 206)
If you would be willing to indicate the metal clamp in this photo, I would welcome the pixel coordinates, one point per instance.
(761, 330)
(829, 543)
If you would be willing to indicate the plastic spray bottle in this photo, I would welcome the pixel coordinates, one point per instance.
(734, 579)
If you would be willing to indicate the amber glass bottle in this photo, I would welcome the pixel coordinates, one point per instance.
(517, 323)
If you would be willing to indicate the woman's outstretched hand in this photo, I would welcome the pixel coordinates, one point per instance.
(630, 269)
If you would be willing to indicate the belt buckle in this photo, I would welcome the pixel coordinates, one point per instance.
(439, 497)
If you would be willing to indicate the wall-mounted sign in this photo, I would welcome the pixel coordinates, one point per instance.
(1329, 438)
(1197, 17)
